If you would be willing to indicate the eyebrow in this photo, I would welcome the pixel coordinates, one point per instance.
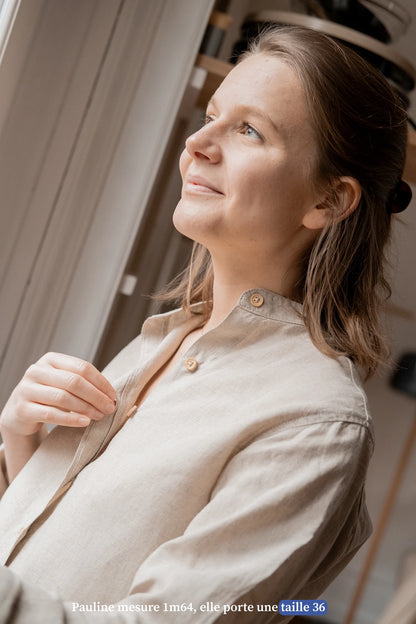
(253, 110)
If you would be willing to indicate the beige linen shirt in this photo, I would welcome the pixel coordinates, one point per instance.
(238, 480)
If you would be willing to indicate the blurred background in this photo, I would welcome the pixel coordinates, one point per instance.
(98, 97)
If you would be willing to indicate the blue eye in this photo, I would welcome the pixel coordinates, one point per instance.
(250, 131)
(246, 128)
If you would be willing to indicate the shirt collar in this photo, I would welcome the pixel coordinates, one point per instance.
(258, 301)
(271, 305)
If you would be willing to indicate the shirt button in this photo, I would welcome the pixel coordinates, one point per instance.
(131, 411)
(256, 300)
(191, 365)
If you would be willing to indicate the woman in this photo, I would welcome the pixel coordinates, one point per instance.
(230, 475)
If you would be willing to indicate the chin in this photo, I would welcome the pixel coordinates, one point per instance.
(178, 219)
(189, 223)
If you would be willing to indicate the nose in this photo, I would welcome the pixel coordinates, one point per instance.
(203, 144)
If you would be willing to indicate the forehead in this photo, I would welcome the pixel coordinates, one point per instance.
(269, 83)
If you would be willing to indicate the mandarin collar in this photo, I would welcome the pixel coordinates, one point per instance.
(271, 305)
(258, 301)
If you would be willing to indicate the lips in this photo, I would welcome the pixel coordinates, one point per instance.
(200, 185)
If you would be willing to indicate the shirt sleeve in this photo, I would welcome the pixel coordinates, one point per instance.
(285, 516)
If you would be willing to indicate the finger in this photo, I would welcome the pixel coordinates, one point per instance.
(61, 399)
(52, 415)
(83, 368)
(72, 383)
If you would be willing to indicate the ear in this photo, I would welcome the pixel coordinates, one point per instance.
(342, 199)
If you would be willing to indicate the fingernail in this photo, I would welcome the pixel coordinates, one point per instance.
(83, 420)
(110, 408)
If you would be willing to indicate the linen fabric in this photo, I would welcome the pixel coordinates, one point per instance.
(239, 480)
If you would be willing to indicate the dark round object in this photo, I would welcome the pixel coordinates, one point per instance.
(401, 198)
(404, 378)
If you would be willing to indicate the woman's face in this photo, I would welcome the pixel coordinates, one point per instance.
(247, 172)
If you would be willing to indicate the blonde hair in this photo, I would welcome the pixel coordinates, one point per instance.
(360, 128)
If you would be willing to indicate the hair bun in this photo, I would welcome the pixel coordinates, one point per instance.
(401, 196)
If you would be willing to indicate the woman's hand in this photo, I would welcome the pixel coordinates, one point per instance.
(58, 389)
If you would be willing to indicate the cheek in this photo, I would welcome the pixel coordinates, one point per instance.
(259, 188)
(270, 200)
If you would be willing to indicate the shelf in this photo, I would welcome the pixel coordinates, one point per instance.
(216, 72)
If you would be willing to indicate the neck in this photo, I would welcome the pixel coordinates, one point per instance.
(229, 284)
